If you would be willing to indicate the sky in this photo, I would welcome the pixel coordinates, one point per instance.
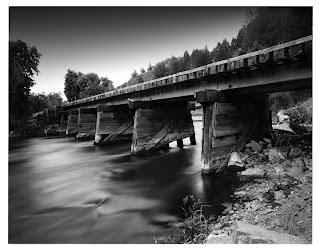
(114, 41)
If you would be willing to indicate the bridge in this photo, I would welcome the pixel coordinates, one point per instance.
(232, 92)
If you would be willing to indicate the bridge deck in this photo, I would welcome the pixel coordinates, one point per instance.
(270, 70)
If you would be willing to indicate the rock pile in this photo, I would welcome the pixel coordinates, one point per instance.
(275, 195)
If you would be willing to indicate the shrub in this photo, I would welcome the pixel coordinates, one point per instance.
(196, 226)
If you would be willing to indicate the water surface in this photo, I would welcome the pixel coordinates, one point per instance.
(66, 191)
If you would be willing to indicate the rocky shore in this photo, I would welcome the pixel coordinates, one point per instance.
(273, 203)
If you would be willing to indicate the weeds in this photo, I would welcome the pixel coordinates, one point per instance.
(280, 139)
(196, 226)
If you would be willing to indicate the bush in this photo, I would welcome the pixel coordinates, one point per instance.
(32, 130)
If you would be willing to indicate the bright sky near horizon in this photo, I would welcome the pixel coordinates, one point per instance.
(115, 41)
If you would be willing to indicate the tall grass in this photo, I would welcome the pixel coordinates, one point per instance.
(196, 226)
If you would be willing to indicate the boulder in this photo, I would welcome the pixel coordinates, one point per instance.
(219, 239)
(256, 147)
(247, 151)
(280, 171)
(266, 140)
(240, 194)
(262, 144)
(284, 126)
(252, 173)
(299, 163)
(267, 211)
(296, 172)
(275, 156)
(245, 233)
(295, 152)
(253, 205)
(228, 208)
(278, 195)
(235, 163)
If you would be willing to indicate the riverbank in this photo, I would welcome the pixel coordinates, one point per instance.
(273, 203)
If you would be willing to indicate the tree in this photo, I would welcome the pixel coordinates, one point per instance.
(186, 61)
(23, 64)
(200, 57)
(54, 99)
(140, 79)
(142, 71)
(39, 102)
(268, 26)
(89, 85)
(222, 51)
(71, 87)
(174, 65)
(134, 74)
(160, 70)
(106, 84)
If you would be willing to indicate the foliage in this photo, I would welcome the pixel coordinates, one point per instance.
(150, 67)
(89, 85)
(71, 87)
(106, 84)
(268, 26)
(23, 64)
(51, 129)
(39, 102)
(222, 51)
(78, 85)
(30, 130)
(200, 57)
(196, 225)
(160, 70)
(288, 99)
(280, 139)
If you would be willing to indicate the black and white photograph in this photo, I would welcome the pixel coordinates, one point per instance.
(160, 125)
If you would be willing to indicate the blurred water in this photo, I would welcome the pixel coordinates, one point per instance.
(66, 191)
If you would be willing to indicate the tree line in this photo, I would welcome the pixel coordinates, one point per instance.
(264, 27)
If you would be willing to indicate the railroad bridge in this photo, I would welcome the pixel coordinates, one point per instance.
(232, 92)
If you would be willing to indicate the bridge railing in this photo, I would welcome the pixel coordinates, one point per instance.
(277, 53)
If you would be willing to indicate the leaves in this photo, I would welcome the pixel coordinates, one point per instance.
(23, 64)
(78, 85)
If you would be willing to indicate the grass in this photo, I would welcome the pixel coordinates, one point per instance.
(196, 226)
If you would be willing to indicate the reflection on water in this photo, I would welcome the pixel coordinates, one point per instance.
(64, 191)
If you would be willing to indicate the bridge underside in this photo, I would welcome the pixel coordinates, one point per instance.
(113, 123)
(155, 127)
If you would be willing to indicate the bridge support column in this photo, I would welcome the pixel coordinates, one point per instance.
(63, 122)
(86, 122)
(72, 123)
(155, 126)
(113, 123)
(229, 121)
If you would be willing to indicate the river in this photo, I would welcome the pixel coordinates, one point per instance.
(67, 191)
